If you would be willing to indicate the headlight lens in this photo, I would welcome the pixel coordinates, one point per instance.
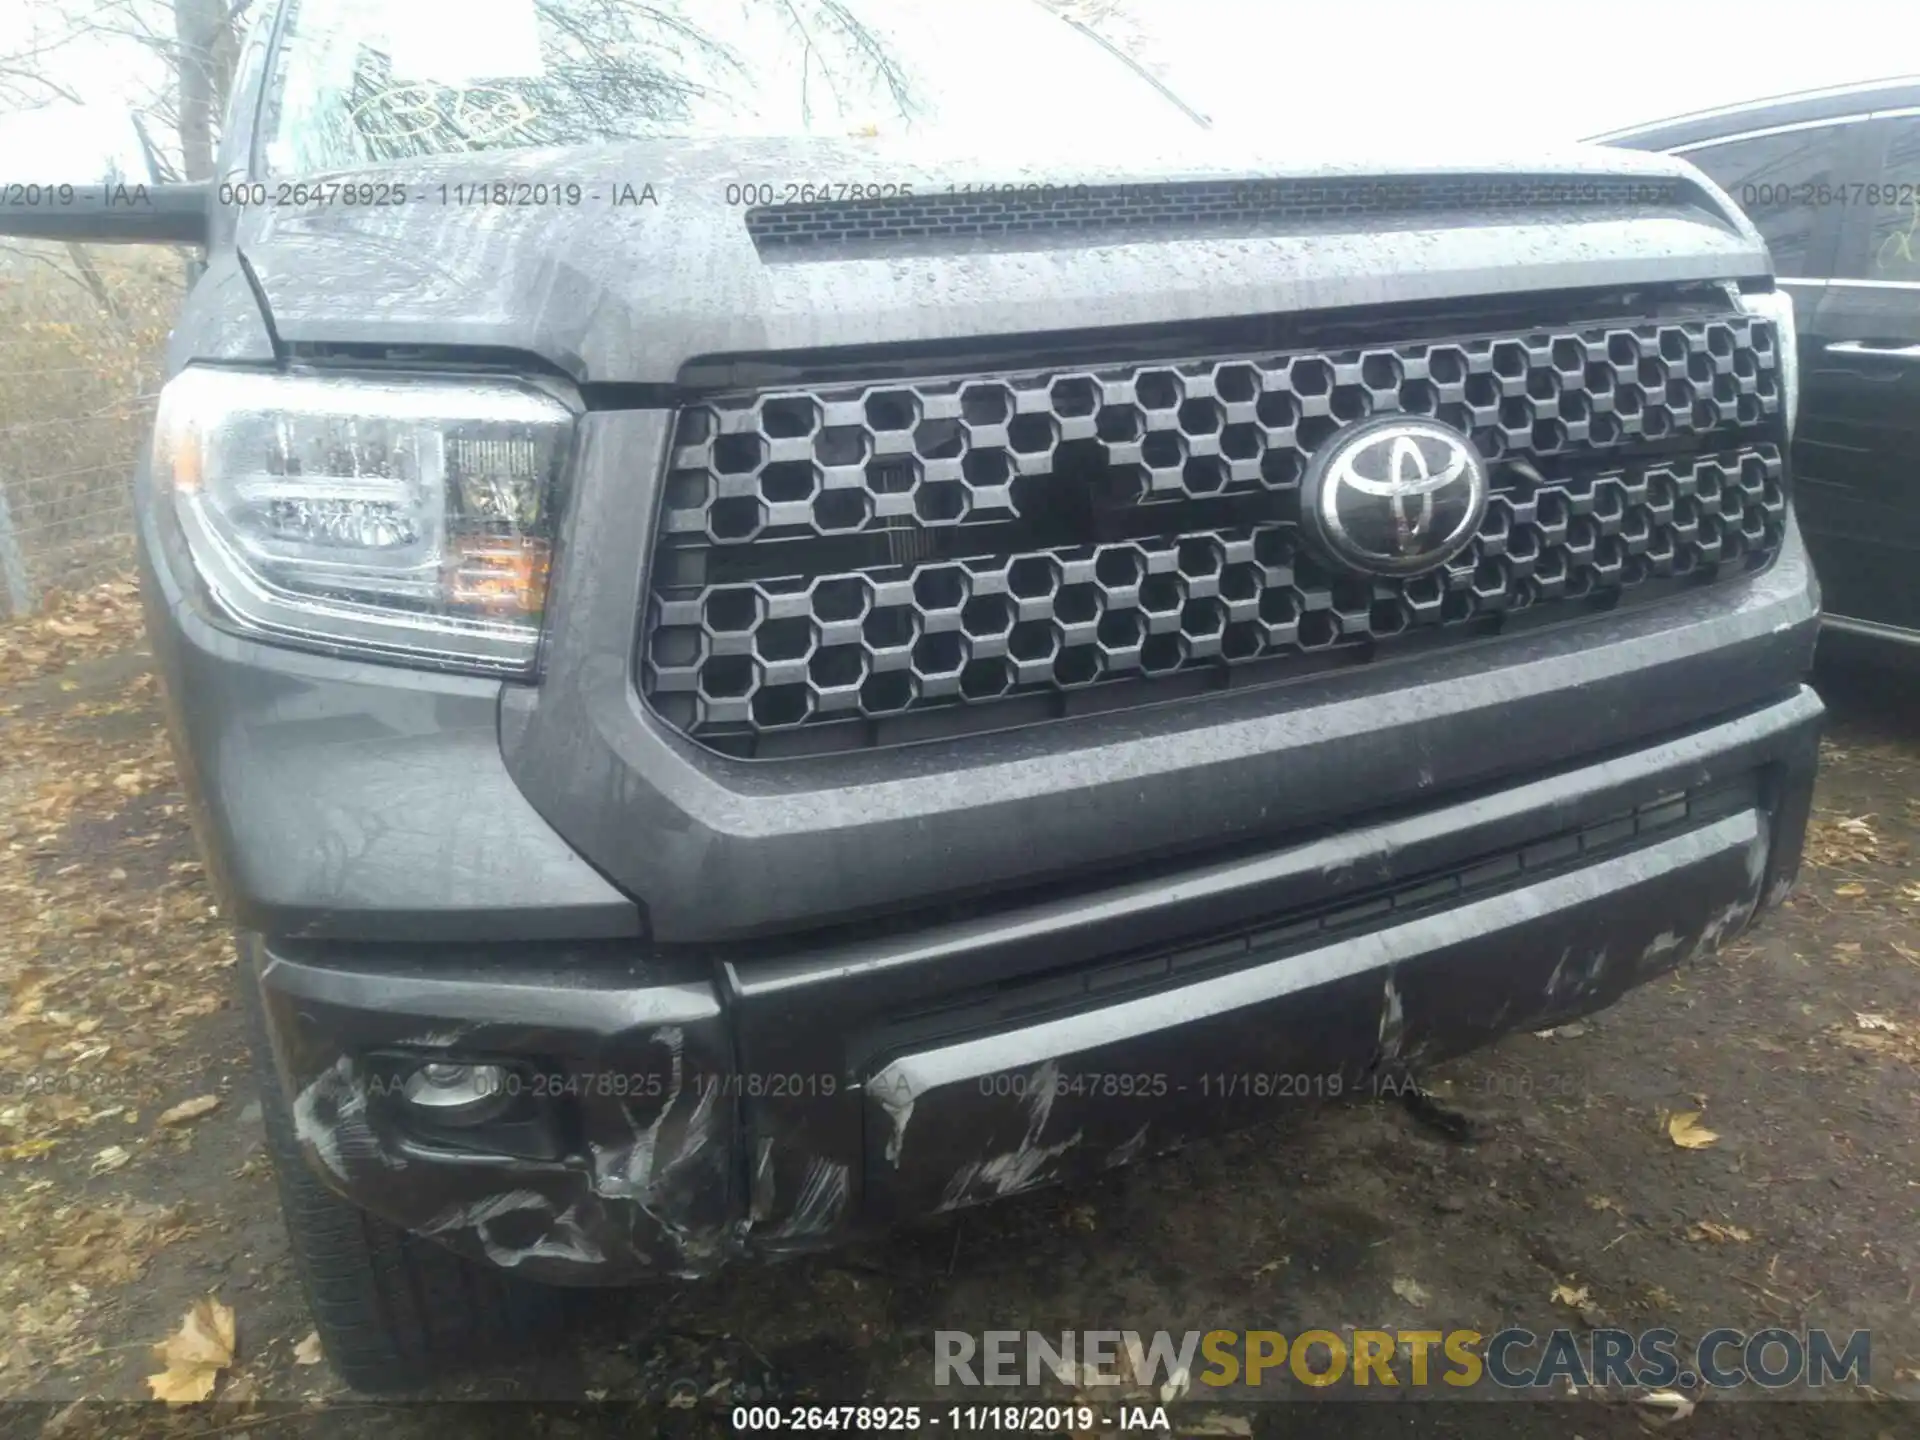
(403, 516)
(1777, 306)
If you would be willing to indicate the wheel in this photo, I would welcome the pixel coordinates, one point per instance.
(394, 1311)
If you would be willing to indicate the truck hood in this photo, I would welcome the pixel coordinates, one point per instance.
(656, 266)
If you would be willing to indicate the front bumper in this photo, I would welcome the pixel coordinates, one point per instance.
(697, 1106)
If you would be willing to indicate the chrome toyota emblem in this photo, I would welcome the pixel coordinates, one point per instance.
(1396, 496)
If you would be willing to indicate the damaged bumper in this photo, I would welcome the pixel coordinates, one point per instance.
(673, 1111)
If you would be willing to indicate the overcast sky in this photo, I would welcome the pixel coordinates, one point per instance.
(1373, 75)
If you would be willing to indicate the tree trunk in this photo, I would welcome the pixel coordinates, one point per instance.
(197, 27)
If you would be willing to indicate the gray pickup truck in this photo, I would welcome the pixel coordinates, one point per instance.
(785, 617)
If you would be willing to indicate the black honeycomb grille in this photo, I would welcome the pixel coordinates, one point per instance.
(1194, 205)
(856, 565)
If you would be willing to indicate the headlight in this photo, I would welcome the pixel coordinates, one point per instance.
(1777, 306)
(403, 516)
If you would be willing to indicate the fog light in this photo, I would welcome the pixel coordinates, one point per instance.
(457, 1094)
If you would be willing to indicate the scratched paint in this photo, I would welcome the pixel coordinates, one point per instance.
(1128, 1152)
(626, 1170)
(1665, 943)
(1555, 980)
(654, 1197)
(655, 1171)
(438, 1039)
(330, 1119)
(1021, 1168)
(1725, 922)
(897, 1100)
(564, 1238)
(821, 1203)
(1393, 1022)
(761, 1191)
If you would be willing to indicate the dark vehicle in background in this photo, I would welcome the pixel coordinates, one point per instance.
(776, 631)
(1832, 180)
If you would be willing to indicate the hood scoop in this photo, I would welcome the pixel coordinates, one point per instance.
(1034, 214)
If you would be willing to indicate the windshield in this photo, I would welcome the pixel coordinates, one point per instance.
(364, 81)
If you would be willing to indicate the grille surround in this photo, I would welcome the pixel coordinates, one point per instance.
(845, 557)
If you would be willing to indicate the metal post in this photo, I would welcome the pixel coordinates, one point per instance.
(13, 564)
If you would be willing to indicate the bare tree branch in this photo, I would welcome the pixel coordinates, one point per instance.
(865, 43)
(159, 165)
(50, 89)
(40, 257)
(90, 278)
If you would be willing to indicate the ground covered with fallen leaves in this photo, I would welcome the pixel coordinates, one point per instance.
(1735, 1146)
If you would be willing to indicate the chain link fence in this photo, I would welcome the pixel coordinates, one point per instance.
(82, 340)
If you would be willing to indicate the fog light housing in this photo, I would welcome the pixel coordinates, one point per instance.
(455, 1094)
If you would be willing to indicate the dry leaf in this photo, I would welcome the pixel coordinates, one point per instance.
(1175, 1385)
(1718, 1234)
(110, 1159)
(1411, 1291)
(195, 1354)
(1852, 890)
(1606, 1202)
(1875, 1022)
(1578, 1298)
(1571, 1031)
(188, 1110)
(1686, 1131)
(1669, 1406)
(307, 1352)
